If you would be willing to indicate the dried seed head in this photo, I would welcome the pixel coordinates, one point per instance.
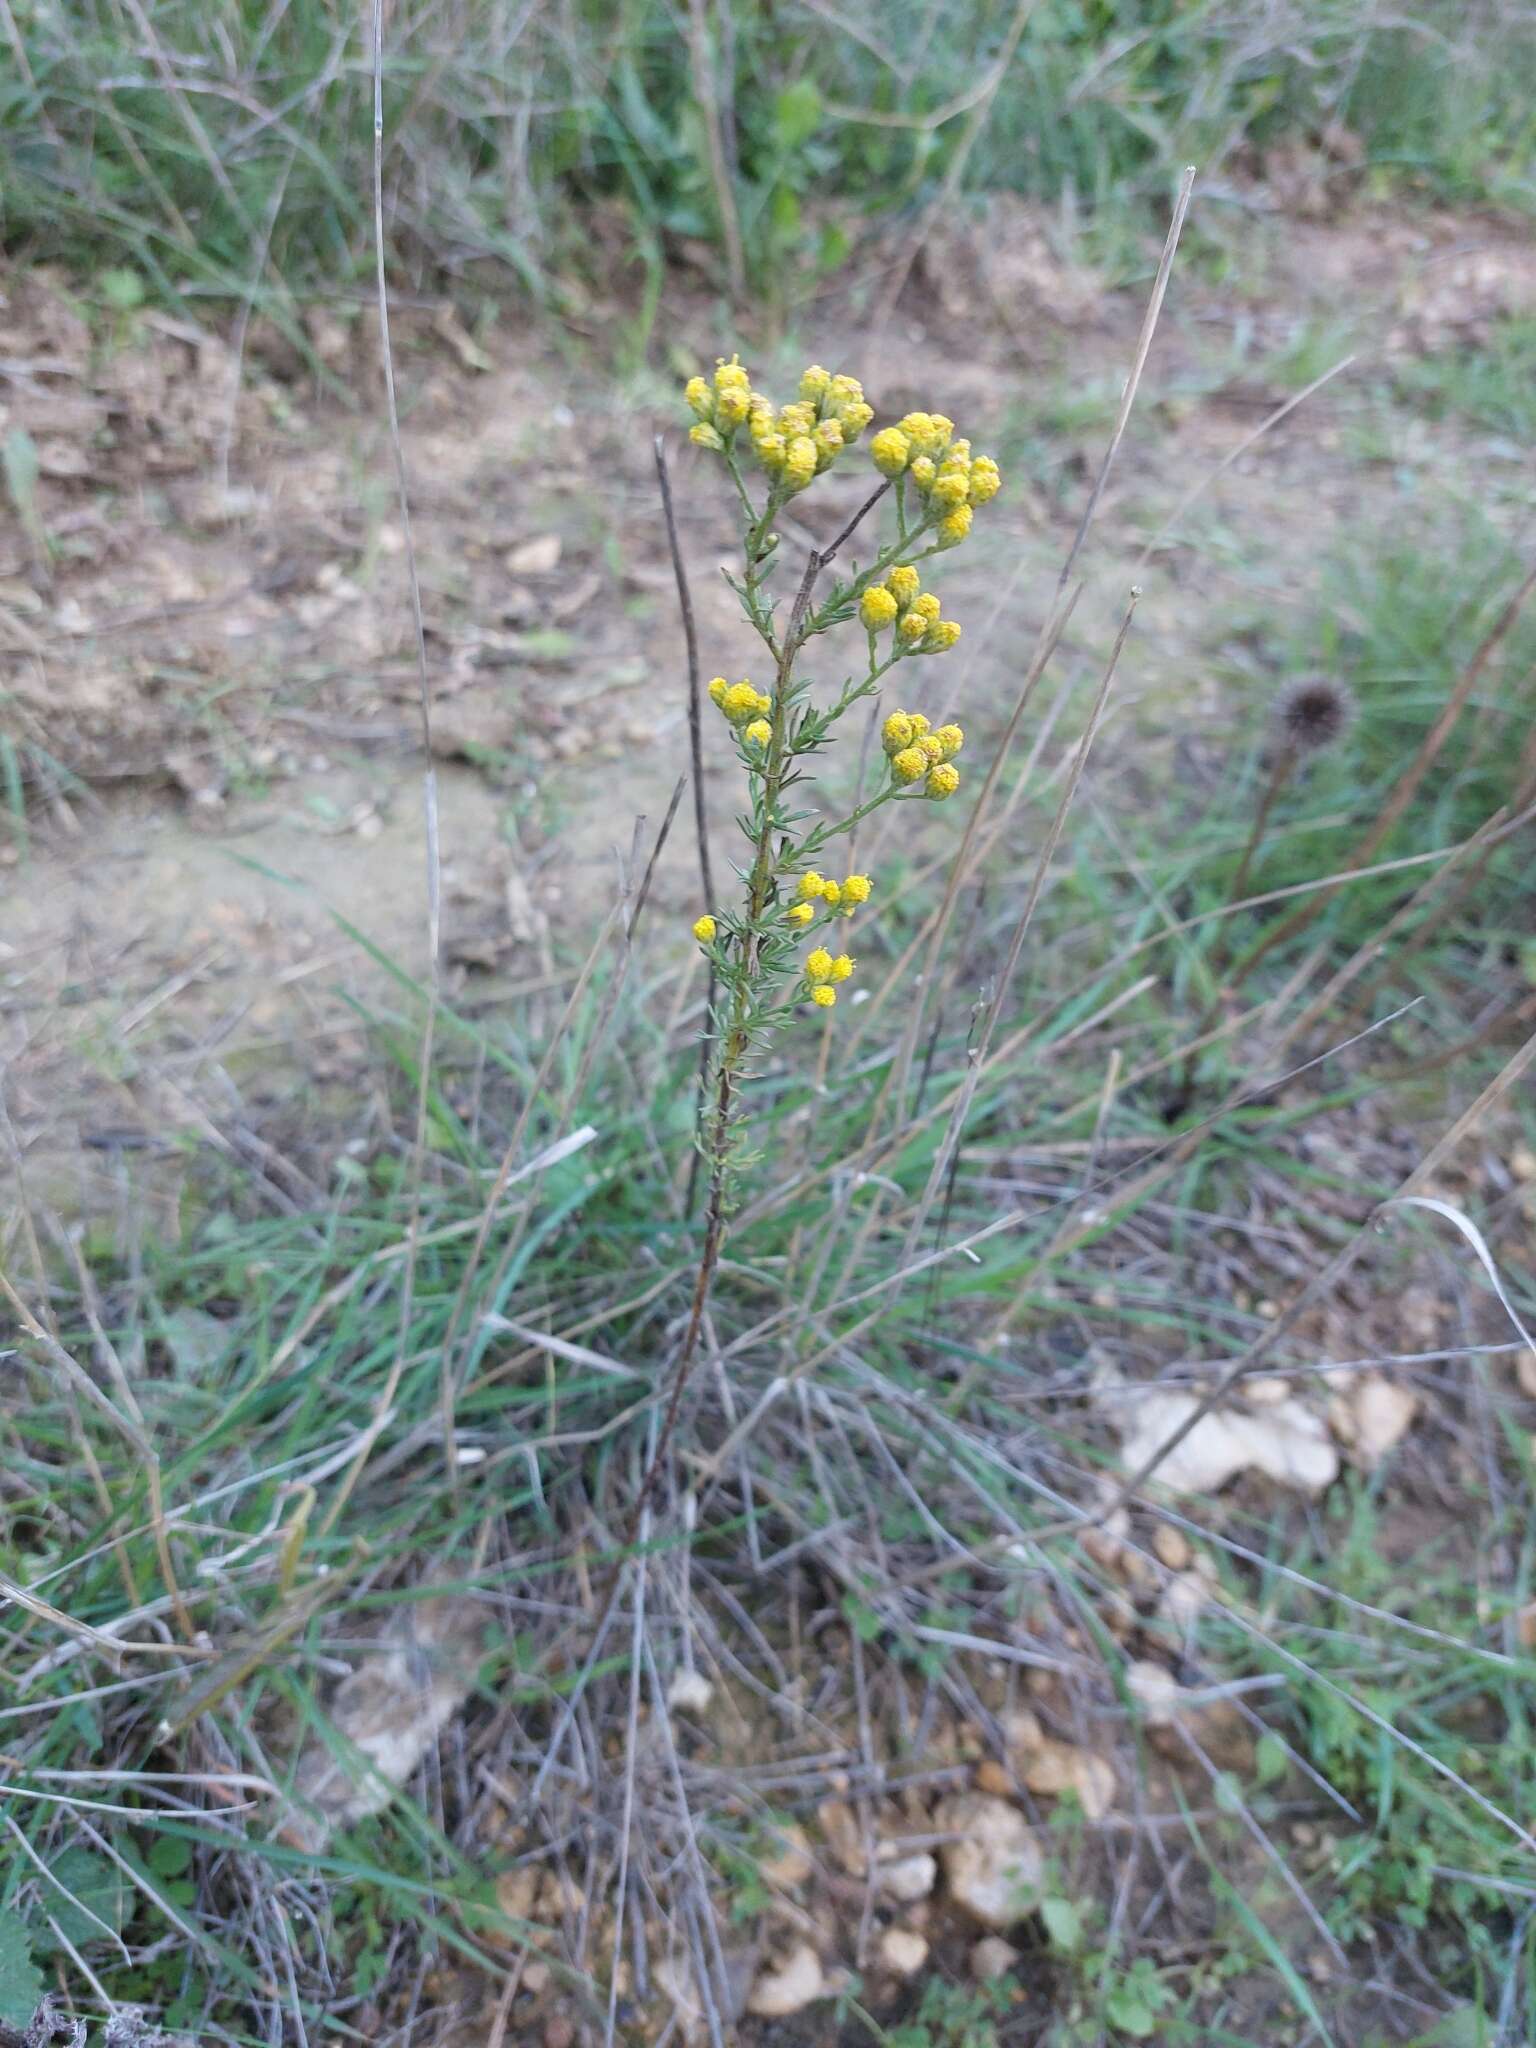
(1314, 712)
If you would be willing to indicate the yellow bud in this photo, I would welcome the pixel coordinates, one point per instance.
(829, 439)
(942, 781)
(943, 428)
(913, 627)
(909, 764)
(843, 389)
(818, 965)
(704, 929)
(950, 489)
(824, 997)
(730, 376)
(800, 913)
(889, 451)
(799, 462)
(918, 428)
(952, 739)
(857, 887)
(831, 892)
(717, 691)
(814, 384)
(922, 472)
(764, 702)
(986, 480)
(732, 405)
(920, 724)
(954, 529)
(896, 732)
(697, 393)
(759, 731)
(877, 608)
(942, 635)
(769, 451)
(855, 417)
(704, 436)
(927, 606)
(798, 418)
(740, 703)
(903, 584)
(932, 746)
(810, 884)
(842, 967)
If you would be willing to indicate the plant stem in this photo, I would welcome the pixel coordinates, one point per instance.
(738, 1035)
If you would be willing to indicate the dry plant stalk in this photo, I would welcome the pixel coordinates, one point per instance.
(933, 484)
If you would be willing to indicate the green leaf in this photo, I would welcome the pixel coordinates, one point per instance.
(797, 113)
(1270, 1759)
(1126, 2009)
(21, 1981)
(96, 1903)
(122, 289)
(1063, 1923)
(169, 1855)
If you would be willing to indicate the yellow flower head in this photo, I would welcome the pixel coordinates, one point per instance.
(932, 746)
(951, 488)
(818, 965)
(927, 606)
(700, 401)
(823, 997)
(903, 584)
(856, 889)
(814, 384)
(877, 608)
(922, 471)
(952, 739)
(920, 431)
(897, 732)
(730, 376)
(831, 892)
(889, 451)
(943, 781)
(800, 913)
(733, 405)
(909, 764)
(759, 731)
(829, 439)
(740, 703)
(798, 418)
(800, 462)
(846, 403)
(704, 929)
(913, 627)
(942, 635)
(920, 724)
(855, 418)
(842, 967)
(944, 428)
(717, 690)
(954, 529)
(810, 885)
(986, 480)
(770, 451)
(704, 436)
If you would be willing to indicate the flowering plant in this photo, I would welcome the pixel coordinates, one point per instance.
(934, 483)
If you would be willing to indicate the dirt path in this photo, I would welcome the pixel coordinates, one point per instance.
(207, 665)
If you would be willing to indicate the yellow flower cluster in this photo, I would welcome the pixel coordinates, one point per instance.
(917, 753)
(743, 705)
(792, 443)
(900, 601)
(822, 970)
(950, 481)
(704, 929)
(813, 888)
